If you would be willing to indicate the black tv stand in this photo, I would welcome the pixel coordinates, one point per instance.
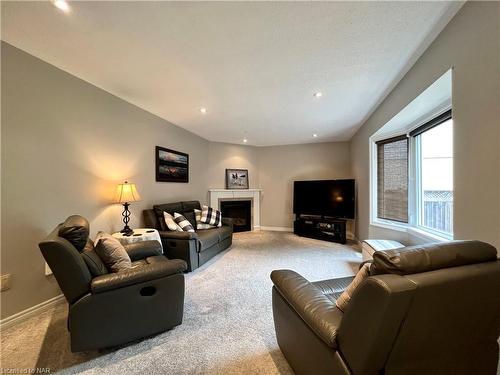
(321, 228)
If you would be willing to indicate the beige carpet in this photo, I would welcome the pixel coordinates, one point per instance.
(228, 325)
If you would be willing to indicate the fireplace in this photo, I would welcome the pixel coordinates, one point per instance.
(240, 212)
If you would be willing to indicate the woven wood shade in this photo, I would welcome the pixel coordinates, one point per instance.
(392, 179)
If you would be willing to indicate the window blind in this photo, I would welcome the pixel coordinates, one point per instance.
(392, 179)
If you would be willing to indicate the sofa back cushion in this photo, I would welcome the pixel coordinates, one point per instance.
(185, 208)
(429, 257)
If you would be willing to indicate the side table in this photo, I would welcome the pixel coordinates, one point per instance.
(140, 234)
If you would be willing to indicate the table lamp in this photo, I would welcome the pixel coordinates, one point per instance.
(125, 194)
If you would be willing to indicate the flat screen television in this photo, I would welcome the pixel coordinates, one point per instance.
(333, 198)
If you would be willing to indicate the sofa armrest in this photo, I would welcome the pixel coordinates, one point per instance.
(143, 249)
(173, 235)
(227, 221)
(137, 275)
(309, 302)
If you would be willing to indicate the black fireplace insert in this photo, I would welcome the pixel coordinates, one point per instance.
(240, 212)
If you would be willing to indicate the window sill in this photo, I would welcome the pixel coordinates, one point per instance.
(410, 230)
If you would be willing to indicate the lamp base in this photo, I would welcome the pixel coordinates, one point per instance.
(127, 231)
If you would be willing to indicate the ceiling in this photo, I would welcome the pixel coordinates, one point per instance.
(253, 65)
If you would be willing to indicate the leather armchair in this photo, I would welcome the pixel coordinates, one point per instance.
(109, 309)
(432, 309)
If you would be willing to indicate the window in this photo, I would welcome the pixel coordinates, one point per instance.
(414, 177)
(392, 179)
(434, 174)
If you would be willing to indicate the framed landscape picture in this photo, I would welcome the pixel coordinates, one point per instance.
(236, 179)
(171, 166)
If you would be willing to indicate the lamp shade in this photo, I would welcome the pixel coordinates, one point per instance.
(126, 193)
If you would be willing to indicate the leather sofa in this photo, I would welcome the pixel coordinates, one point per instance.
(432, 309)
(109, 309)
(194, 248)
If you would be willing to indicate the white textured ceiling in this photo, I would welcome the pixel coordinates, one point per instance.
(254, 65)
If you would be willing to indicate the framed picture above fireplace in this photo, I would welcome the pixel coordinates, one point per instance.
(171, 166)
(236, 179)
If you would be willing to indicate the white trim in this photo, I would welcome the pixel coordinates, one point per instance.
(428, 234)
(30, 312)
(277, 229)
(418, 232)
(232, 190)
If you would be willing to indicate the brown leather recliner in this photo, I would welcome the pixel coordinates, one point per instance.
(432, 309)
(108, 309)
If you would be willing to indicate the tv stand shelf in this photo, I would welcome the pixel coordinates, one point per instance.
(328, 229)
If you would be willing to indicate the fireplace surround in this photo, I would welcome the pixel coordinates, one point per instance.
(217, 196)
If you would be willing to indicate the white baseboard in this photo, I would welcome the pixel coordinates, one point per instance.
(277, 229)
(30, 312)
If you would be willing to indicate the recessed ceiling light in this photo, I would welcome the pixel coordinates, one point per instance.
(318, 94)
(61, 4)
(245, 140)
(203, 110)
(315, 135)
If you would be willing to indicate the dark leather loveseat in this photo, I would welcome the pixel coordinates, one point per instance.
(432, 309)
(194, 248)
(109, 309)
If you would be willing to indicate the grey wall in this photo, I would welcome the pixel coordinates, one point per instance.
(470, 44)
(274, 169)
(224, 156)
(281, 165)
(65, 144)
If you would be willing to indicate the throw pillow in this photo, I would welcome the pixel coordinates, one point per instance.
(199, 224)
(345, 297)
(211, 216)
(183, 222)
(112, 252)
(171, 224)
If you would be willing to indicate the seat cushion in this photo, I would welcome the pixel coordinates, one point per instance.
(208, 238)
(156, 259)
(333, 288)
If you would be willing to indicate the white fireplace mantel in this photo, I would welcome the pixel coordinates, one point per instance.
(215, 196)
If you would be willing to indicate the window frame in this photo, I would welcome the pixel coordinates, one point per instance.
(414, 136)
(413, 226)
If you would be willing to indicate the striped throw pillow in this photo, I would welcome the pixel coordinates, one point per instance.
(171, 224)
(199, 224)
(183, 222)
(211, 216)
